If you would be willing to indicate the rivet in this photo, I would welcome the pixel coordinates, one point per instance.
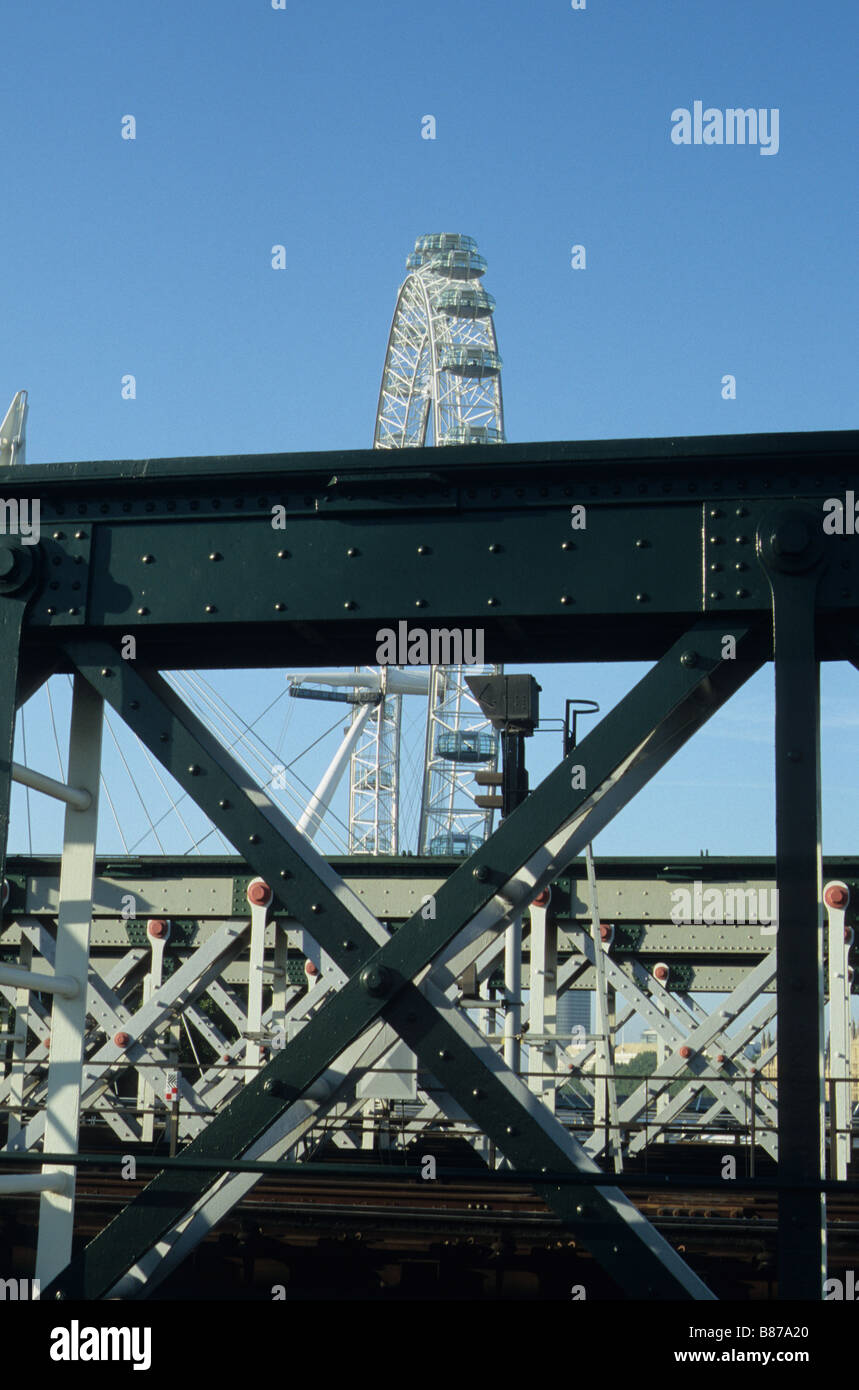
(352, 552)
(142, 612)
(349, 603)
(741, 540)
(216, 555)
(481, 873)
(689, 658)
(715, 540)
(494, 548)
(194, 769)
(224, 804)
(348, 945)
(741, 565)
(741, 511)
(253, 839)
(565, 598)
(59, 535)
(510, 1129)
(283, 555)
(279, 607)
(742, 593)
(423, 550)
(210, 608)
(420, 603)
(164, 738)
(715, 593)
(716, 566)
(641, 543)
(106, 671)
(714, 512)
(492, 602)
(73, 612)
(315, 907)
(567, 545)
(641, 598)
(50, 612)
(444, 1054)
(147, 559)
(80, 535)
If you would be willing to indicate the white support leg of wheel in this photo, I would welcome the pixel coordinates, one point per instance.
(68, 1018)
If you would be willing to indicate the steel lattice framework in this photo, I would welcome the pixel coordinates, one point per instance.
(688, 542)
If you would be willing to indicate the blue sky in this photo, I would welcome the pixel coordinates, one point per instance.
(302, 127)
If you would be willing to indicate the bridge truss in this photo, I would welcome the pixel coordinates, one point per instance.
(687, 542)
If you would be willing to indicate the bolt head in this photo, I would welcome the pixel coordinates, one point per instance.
(836, 896)
(791, 537)
(157, 928)
(376, 980)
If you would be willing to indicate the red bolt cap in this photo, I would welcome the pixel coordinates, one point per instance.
(606, 931)
(660, 972)
(122, 1039)
(47, 1042)
(685, 1052)
(157, 927)
(720, 1057)
(836, 895)
(310, 968)
(542, 898)
(226, 1057)
(259, 893)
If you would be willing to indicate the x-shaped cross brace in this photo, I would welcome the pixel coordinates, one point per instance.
(387, 976)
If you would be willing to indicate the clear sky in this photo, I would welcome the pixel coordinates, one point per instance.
(302, 126)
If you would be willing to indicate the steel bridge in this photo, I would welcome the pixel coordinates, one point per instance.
(707, 556)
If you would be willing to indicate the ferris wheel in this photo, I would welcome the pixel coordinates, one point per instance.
(442, 378)
(441, 384)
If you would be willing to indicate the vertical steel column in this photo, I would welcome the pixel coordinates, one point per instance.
(513, 991)
(543, 999)
(836, 898)
(790, 547)
(68, 1018)
(18, 1069)
(157, 933)
(259, 897)
(605, 1094)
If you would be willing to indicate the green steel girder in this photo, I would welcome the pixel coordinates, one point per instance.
(182, 553)
(619, 755)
